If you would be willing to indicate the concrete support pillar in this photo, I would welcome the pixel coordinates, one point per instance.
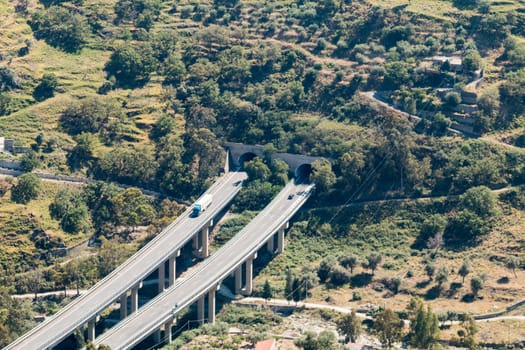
(123, 306)
(91, 330)
(205, 241)
(167, 331)
(270, 245)
(211, 306)
(249, 276)
(200, 309)
(162, 276)
(134, 299)
(238, 279)
(172, 269)
(280, 240)
(156, 336)
(196, 242)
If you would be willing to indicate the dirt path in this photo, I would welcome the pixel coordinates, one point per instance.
(495, 141)
(81, 181)
(344, 310)
(318, 59)
(406, 199)
(372, 96)
(58, 293)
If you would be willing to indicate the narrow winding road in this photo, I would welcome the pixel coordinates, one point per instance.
(344, 310)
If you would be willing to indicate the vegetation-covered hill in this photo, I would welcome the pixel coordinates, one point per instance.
(143, 93)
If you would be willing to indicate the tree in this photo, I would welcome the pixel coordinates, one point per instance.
(257, 169)
(439, 124)
(476, 284)
(9, 80)
(46, 88)
(267, 290)
(110, 255)
(480, 200)
(435, 243)
(128, 165)
(324, 341)
(288, 289)
(467, 225)
(452, 99)
(27, 188)
(71, 210)
(442, 276)
(297, 293)
(204, 153)
(424, 328)
(30, 161)
(350, 326)
(34, 282)
(464, 270)
(164, 126)
(396, 75)
(432, 225)
(512, 263)
(92, 115)
(322, 175)
(254, 337)
(256, 195)
(5, 103)
(388, 327)
(309, 279)
(339, 275)
(279, 172)
(352, 165)
(60, 28)
(372, 261)
(174, 70)
(468, 333)
(512, 94)
(73, 274)
(135, 10)
(430, 269)
(471, 61)
(99, 197)
(133, 208)
(325, 267)
(349, 261)
(14, 316)
(395, 284)
(130, 65)
(83, 152)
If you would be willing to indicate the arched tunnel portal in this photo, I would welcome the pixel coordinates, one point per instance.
(246, 157)
(303, 171)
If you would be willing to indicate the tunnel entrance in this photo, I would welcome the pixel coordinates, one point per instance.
(246, 157)
(303, 171)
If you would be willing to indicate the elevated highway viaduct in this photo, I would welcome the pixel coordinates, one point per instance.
(124, 282)
(160, 313)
